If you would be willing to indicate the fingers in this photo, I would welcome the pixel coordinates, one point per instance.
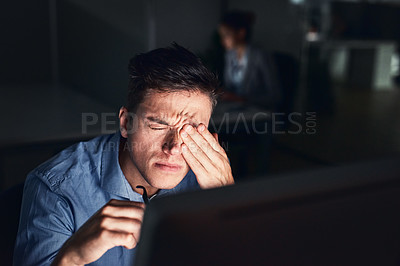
(212, 139)
(201, 143)
(127, 209)
(192, 161)
(198, 152)
(119, 238)
(203, 175)
(115, 202)
(121, 224)
(202, 154)
(205, 156)
(203, 146)
(121, 221)
(117, 223)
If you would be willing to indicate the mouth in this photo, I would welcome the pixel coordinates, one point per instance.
(168, 167)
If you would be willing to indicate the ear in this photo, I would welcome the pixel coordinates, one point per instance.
(124, 121)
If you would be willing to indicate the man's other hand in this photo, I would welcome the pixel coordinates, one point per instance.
(206, 157)
(117, 223)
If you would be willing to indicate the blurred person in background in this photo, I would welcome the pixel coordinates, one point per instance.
(249, 75)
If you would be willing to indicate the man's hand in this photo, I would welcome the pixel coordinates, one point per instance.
(116, 224)
(206, 157)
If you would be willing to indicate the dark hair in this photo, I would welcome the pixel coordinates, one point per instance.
(237, 20)
(169, 69)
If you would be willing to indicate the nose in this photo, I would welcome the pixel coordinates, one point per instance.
(172, 143)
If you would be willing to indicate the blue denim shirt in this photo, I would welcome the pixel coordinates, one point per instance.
(235, 70)
(63, 193)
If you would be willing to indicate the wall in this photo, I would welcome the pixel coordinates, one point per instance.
(24, 42)
(278, 24)
(96, 40)
(190, 23)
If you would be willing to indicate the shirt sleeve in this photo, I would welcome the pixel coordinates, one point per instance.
(46, 222)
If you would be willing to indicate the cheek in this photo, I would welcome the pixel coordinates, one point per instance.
(227, 43)
(144, 142)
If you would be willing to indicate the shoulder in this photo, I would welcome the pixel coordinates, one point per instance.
(257, 52)
(260, 57)
(73, 162)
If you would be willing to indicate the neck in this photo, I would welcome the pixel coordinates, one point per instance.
(131, 173)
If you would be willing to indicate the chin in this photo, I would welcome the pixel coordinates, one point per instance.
(165, 185)
(165, 180)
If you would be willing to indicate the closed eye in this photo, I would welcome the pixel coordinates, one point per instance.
(157, 128)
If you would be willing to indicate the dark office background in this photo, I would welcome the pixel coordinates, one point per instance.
(335, 59)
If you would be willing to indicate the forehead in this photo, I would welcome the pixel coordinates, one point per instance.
(170, 105)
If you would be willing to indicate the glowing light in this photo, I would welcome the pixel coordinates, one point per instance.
(297, 2)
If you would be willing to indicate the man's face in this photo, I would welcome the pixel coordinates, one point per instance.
(153, 141)
(231, 38)
(227, 36)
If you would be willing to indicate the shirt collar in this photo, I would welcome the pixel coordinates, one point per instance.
(112, 177)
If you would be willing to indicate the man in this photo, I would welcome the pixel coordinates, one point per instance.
(249, 75)
(85, 205)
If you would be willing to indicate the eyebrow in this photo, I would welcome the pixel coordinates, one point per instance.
(162, 122)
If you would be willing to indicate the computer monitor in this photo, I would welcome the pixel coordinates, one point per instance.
(347, 215)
